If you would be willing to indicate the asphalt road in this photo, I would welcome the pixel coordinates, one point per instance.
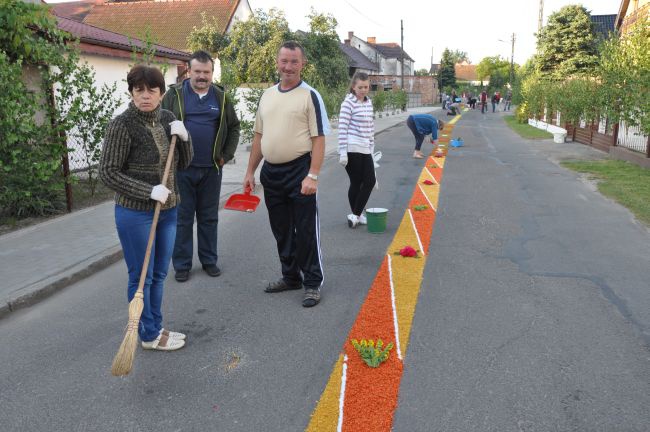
(534, 314)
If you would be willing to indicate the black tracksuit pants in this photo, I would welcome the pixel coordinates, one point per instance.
(294, 221)
(361, 170)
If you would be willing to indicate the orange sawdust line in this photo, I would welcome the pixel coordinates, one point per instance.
(329, 402)
(371, 393)
(424, 219)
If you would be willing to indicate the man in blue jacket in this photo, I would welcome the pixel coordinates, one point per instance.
(210, 118)
(422, 125)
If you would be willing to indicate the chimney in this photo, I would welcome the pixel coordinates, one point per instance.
(350, 35)
(347, 42)
(372, 40)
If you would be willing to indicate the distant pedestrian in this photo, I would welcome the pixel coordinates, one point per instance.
(211, 120)
(508, 100)
(422, 125)
(484, 97)
(135, 150)
(290, 129)
(495, 101)
(357, 145)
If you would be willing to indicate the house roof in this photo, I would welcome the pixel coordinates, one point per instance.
(465, 72)
(76, 10)
(357, 59)
(604, 25)
(391, 50)
(435, 68)
(97, 36)
(169, 22)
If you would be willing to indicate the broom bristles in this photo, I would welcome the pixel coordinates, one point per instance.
(123, 361)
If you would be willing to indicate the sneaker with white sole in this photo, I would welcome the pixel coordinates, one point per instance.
(353, 220)
(164, 343)
(363, 220)
(173, 334)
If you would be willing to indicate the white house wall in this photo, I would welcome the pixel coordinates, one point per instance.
(109, 70)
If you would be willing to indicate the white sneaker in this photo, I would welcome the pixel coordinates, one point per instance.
(353, 220)
(170, 345)
(173, 334)
(363, 220)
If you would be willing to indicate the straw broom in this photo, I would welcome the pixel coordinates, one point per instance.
(123, 361)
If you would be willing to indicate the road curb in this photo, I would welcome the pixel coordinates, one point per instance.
(41, 290)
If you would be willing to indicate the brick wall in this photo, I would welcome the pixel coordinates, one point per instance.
(426, 86)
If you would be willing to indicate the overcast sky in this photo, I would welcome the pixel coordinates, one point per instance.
(473, 26)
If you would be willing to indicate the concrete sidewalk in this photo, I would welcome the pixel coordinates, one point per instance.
(39, 260)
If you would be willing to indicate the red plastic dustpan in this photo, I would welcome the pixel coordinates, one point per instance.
(242, 202)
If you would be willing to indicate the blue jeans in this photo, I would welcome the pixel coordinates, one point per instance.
(133, 229)
(418, 136)
(199, 188)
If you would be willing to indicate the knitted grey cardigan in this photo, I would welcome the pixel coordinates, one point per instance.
(133, 158)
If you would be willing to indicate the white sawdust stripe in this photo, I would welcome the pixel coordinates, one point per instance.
(427, 198)
(417, 233)
(344, 372)
(392, 299)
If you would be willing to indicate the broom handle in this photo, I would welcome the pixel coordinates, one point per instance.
(156, 213)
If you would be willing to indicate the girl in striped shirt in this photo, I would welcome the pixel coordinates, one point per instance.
(356, 146)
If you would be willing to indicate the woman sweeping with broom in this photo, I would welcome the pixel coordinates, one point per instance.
(136, 166)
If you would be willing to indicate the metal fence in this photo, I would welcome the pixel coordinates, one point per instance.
(415, 100)
(631, 138)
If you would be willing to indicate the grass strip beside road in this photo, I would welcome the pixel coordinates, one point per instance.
(625, 183)
(525, 130)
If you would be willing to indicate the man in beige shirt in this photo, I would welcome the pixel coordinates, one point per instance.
(290, 129)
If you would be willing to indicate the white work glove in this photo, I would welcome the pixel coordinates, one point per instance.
(375, 158)
(343, 159)
(178, 128)
(160, 193)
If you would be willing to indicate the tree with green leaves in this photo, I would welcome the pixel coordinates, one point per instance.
(567, 46)
(447, 72)
(459, 56)
(250, 55)
(327, 65)
(35, 121)
(624, 72)
(496, 68)
(209, 36)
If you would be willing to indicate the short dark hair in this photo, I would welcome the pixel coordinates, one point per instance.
(292, 45)
(202, 57)
(441, 124)
(145, 76)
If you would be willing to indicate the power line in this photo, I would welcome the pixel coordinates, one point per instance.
(362, 14)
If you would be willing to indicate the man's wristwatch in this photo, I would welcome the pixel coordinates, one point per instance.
(312, 176)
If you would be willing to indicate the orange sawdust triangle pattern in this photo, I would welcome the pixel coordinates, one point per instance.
(436, 172)
(371, 394)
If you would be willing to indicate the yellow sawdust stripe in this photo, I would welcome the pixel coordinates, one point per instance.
(454, 120)
(324, 419)
(425, 174)
(437, 161)
(407, 278)
(431, 192)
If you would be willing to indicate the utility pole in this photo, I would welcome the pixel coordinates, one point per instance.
(512, 61)
(402, 54)
(541, 16)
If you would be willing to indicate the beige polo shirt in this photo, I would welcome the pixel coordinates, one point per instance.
(288, 119)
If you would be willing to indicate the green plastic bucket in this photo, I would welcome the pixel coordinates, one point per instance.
(376, 218)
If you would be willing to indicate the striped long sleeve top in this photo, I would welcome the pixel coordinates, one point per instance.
(356, 126)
